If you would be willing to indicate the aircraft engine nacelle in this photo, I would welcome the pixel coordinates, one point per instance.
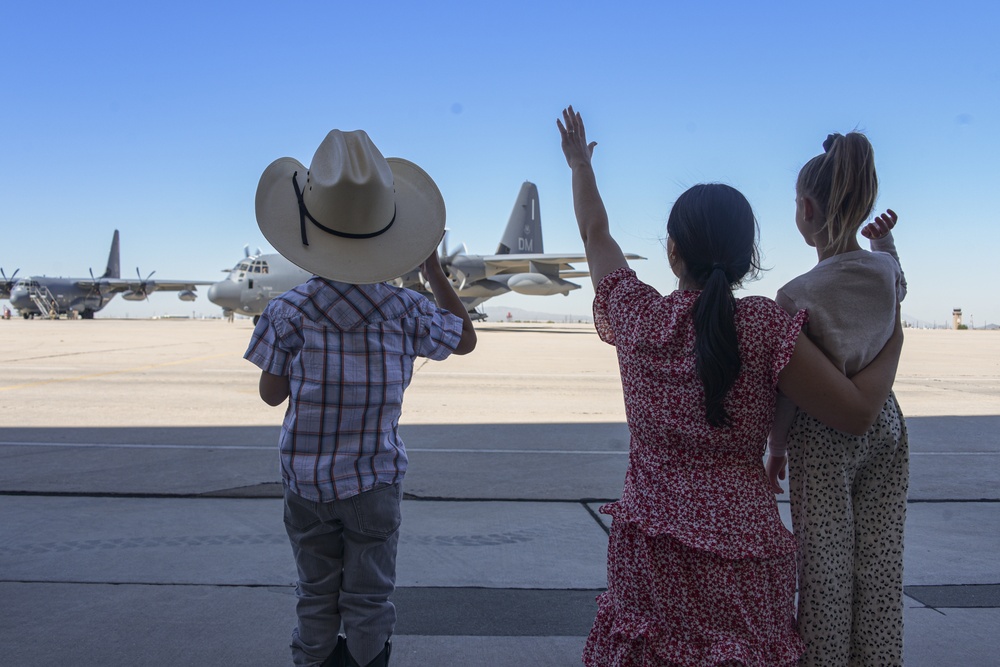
(187, 295)
(93, 303)
(131, 295)
(408, 279)
(539, 285)
(463, 270)
(483, 289)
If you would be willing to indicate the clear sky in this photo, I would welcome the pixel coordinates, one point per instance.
(158, 118)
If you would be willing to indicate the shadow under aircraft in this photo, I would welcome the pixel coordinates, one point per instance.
(52, 297)
(519, 265)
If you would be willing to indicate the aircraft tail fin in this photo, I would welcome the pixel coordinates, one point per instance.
(114, 269)
(524, 228)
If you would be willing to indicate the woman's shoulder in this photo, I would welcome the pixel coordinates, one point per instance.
(623, 287)
(762, 317)
(756, 305)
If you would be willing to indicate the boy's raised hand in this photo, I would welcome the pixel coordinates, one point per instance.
(880, 226)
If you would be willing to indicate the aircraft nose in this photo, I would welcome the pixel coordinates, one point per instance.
(225, 293)
(19, 298)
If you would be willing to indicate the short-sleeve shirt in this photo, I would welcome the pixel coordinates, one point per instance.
(348, 353)
(703, 485)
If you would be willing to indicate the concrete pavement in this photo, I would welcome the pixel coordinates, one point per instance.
(142, 522)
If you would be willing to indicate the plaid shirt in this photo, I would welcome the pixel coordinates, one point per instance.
(348, 353)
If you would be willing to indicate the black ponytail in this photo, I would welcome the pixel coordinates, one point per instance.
(717, 351)
(715, 232)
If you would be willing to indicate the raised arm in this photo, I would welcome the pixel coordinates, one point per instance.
(603, 253)
(445, 296)
(879, 234)
(846, 404)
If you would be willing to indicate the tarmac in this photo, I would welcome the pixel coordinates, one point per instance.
(141, 517)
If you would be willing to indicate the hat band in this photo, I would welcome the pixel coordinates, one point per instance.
(304, 213)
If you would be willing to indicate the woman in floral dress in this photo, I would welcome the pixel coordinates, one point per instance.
(701, 570)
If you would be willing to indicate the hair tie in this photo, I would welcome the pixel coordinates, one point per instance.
(719, 266)
(830, 139)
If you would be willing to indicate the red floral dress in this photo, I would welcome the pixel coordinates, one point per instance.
(701, 571)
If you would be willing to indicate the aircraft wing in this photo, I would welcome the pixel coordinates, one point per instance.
(522, 263)
(115, 285)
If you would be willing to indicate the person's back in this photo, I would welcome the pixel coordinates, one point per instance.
(686, 478)
(851, 299)
(351, 353)
(340, 349)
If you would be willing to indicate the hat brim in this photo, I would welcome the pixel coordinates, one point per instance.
(413, 236)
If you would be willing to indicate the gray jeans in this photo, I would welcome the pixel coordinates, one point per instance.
(345, 552)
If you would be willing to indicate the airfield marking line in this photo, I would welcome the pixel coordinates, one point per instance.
(91, 376)
(422, 450)
(609, 375)
(92, 351)
(120, 445)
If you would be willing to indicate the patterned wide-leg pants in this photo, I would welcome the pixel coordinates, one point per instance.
(848, 499)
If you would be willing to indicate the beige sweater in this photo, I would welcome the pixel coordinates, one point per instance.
(851, 299)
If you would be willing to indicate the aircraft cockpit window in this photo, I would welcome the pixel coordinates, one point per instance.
(263, 267)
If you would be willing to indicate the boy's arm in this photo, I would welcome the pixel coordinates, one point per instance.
(445, 296)
(273, 388)
(266, 353)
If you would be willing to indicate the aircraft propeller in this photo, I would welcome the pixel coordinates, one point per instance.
(8, 283)
(142, 283)
(448, 259)
(97, 285)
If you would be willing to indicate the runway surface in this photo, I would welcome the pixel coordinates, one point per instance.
(139, 491)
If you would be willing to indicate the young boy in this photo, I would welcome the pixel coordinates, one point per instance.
(341, 348)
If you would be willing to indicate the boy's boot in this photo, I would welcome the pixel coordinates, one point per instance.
(381, 660)
(338, 657)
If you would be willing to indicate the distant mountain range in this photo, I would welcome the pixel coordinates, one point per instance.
(500, 314)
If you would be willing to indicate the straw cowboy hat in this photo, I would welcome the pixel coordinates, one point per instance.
(353, 215)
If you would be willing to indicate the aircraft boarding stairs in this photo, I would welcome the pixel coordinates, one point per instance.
(42, 297)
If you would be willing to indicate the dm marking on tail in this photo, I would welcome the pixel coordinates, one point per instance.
(523, 233)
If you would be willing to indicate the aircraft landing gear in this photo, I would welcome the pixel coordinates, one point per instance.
(87, 314)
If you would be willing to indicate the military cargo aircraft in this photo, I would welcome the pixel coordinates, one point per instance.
(52, 297)
(519, 265)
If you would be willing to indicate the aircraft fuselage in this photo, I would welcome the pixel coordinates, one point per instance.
(254, 281)
(56, 296)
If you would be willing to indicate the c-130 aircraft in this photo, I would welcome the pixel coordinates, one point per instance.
(52, 297)
(519, 265)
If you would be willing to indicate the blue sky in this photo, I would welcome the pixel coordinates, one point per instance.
(158, 118)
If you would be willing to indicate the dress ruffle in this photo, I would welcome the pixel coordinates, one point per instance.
(725, 509)
(670, 604)
(627, 640)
